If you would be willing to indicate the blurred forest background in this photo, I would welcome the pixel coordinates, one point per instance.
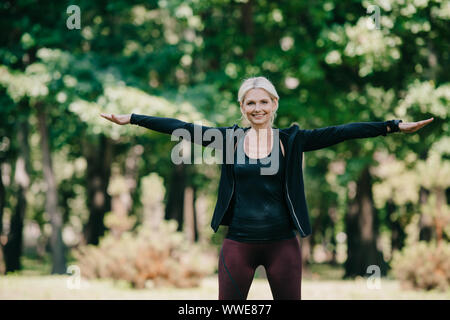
(78, 190)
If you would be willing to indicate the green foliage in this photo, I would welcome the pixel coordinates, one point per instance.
(146, 258)
(423, 266)
(185, 59)
(32, 83)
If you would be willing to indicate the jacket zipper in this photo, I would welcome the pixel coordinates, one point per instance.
(290, 202)
(298, 223)
(232, 188)
(229, 200)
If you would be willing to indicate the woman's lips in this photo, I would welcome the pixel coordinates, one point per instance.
(258, 116)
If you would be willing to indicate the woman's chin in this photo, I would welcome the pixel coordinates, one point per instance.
(259, 121)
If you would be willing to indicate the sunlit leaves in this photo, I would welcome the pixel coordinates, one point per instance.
(424, 97)
(374, 49)
(32, 83)
(398, 183)
(127, 100)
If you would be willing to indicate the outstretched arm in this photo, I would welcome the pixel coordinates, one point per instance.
(193, 132)
(324, 137)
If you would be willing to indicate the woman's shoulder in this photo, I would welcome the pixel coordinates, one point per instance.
(292, 130)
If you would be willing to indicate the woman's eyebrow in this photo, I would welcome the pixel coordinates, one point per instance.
(263, 99)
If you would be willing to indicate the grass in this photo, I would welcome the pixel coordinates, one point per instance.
(58, 287)
(320, 282)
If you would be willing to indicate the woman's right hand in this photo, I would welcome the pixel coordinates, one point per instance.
(117, 118)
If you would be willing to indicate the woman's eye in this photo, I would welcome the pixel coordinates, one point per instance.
(265, 102)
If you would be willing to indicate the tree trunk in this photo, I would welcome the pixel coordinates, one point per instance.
(248, 28)
(175, 195)
(440, 219)
(426, 221)
(305, 244)
(190, 219)
(152, 199)
(195, 213)
(202, 216)
(13, 247)
(398, 235)
(2, 206)
(51, 200)
(362, 231)
(2, 200)
(132, 171)
(99, 159)
(188, 213)
(332, 212)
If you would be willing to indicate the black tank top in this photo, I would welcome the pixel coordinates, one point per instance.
(259, 210)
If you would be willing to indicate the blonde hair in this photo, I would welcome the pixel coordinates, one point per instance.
(261, 83)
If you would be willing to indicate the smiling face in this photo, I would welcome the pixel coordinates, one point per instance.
(258, 107)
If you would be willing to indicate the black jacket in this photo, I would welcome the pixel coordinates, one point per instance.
(295, 141)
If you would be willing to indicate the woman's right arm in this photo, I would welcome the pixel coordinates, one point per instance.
(160, 124)
(193, 132)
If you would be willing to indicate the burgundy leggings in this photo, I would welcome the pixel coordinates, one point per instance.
(239, 260)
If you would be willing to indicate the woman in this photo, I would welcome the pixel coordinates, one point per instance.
(264, 210)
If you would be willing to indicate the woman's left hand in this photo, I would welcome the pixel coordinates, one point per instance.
(410, 127)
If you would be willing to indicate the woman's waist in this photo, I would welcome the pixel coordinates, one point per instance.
(281, 223)
(260, 213)
(260, 233)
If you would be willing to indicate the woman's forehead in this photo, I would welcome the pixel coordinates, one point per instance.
(256, 93)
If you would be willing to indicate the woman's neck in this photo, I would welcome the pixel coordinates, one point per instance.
(261, 129)
(261, 133)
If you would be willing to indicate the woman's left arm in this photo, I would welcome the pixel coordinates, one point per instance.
(324, 137)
